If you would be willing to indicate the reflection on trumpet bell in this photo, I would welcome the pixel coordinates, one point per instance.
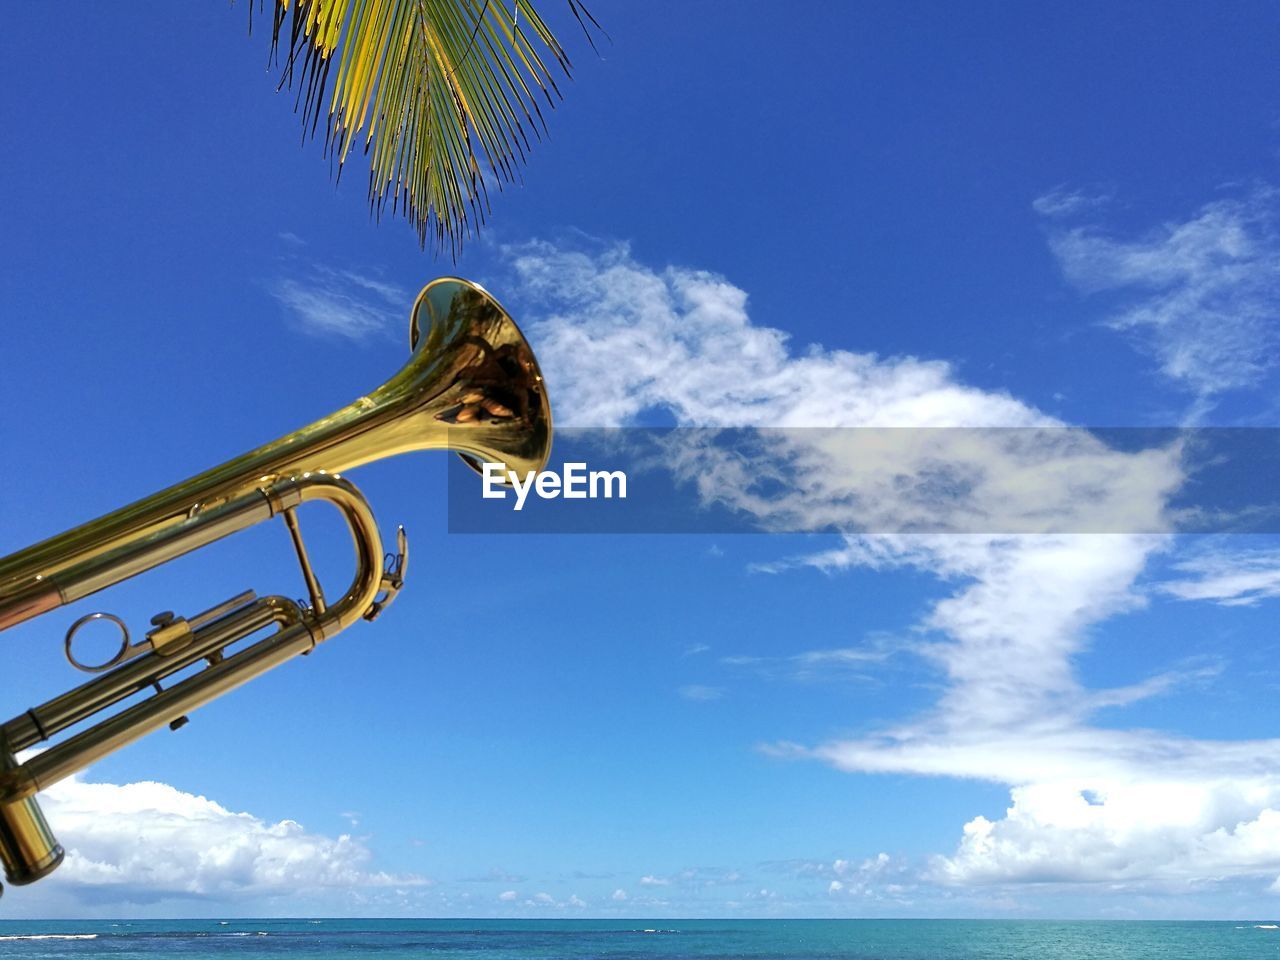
(472, 386)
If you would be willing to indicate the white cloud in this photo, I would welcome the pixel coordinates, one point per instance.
(1172, 834)
(390, 293)
(649, 880)
(878, 878)
(619, 339)
(342, 303)
(142, 842)
(616, 339)
(839, 656)
(544, 902)
(1064, 202)
(1010, 633)
(1200, 294)
(1232, 578)
(1090, 803)
(619, 895)
(841, 663)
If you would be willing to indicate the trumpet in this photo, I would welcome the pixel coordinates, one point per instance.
(472, 385)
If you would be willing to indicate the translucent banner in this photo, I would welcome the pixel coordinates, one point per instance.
(884, 480)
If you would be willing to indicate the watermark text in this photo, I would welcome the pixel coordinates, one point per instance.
(574, 482)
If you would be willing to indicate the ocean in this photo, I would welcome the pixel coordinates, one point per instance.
(636, 940)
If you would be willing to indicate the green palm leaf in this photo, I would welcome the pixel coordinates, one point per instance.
(439, 93)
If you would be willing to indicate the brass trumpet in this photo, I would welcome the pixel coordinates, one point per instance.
(472, 385)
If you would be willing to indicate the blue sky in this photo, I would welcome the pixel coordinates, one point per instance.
(920, 214)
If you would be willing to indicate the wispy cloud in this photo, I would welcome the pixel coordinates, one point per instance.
(695, 877)
(1089, 803)
(1201, 294)
(1062, 201)
(843, 655)
(1230, 577)
(837, 664)
(544, 902)
(619, 338)
(1013, 711)
(341, 303)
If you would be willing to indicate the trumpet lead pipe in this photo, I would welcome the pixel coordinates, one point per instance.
(130, 559)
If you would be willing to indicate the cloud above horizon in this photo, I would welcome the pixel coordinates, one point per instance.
(619, 338)
(146, 842)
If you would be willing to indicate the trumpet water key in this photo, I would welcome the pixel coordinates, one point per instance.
(472, 385)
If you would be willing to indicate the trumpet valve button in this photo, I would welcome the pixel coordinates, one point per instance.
(170, 636)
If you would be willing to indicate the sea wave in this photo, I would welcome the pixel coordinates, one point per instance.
(51, 936)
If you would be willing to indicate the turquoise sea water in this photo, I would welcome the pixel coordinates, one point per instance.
(635, 940)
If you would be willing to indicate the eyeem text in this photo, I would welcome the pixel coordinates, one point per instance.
(576, 482)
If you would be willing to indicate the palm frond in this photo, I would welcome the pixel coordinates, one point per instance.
(440, 93)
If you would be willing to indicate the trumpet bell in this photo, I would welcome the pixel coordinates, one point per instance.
(485, 387)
